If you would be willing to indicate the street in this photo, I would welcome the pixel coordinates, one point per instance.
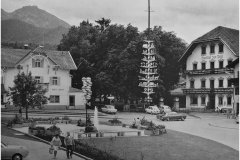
(37, 150)
(211, 126)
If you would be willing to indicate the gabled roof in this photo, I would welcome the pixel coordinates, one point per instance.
(228, 36)
(233, 64)
(9, 57)
(61, 58)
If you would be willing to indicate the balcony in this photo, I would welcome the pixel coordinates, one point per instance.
(208, 91)
(209, 71)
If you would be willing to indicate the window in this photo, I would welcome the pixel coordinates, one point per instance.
(195, 66)
(211, 83)
(38, 79)
(212, 48)
(203, 83)
(212, 65)
(192, 84)
(237, 90)
(220, 64)
(54, 99)
(229, 83)
(203, 50)
(220, 46)
(229, 61)
(55, 81)
(220, 83)
(37, 63)
(229, 100)
(220, 100)
(203, 66)
(194, 100)
(203, 100)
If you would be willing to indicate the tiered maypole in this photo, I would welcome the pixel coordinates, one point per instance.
(148, 70)
(148, 66)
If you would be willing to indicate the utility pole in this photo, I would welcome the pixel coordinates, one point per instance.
(148, 18)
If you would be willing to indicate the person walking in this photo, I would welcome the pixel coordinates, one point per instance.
(56, 143)
(69, 143)
(228, 114)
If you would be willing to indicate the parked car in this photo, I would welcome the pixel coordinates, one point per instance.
(13, 152)
(165, 109)
(173, 116)
(237, 119)
(109, 109)
(152, 110)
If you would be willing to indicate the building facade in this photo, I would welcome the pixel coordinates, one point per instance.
(207, 77)
(235, 84)
(50, 68)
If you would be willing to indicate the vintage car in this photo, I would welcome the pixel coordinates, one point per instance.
(173, 116)
(165, 109)
(152, 110)
(109, 109)
(13, 152)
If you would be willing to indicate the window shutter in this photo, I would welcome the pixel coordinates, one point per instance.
(41, 79)
(50, 81)
(42, 63)
(58, 81)
(33, 63)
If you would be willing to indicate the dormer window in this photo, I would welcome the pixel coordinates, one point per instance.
(203, 50)
(220, 45)
(212, 48)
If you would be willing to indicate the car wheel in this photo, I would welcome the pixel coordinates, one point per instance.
(17, 157)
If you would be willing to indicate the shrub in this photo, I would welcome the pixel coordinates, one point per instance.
(53, 130)
(115, 121)
(65, 118)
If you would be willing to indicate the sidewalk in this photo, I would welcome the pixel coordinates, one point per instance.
(37, 150)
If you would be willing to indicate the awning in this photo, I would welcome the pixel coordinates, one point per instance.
(3, 89)
(177, 92)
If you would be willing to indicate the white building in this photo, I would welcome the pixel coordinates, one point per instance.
(235, 84)
(50, 68)
(204, 62)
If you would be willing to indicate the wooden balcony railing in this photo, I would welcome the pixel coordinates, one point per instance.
(209, 71)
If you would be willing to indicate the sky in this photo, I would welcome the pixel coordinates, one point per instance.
(189, 19)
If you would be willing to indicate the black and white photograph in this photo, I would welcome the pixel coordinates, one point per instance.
(119, 79)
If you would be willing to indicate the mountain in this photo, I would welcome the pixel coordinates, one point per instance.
(35, 16)
(30, 24)
(18, 31)
(5, 15)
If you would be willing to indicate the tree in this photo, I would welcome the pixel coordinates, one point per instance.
(103, 23)
(112, 58)
(26, 92)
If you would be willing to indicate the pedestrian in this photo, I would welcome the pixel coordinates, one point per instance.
(228, 114)
(56, 143)
(70, 145)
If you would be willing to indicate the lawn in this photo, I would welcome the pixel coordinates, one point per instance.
(171, 146)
